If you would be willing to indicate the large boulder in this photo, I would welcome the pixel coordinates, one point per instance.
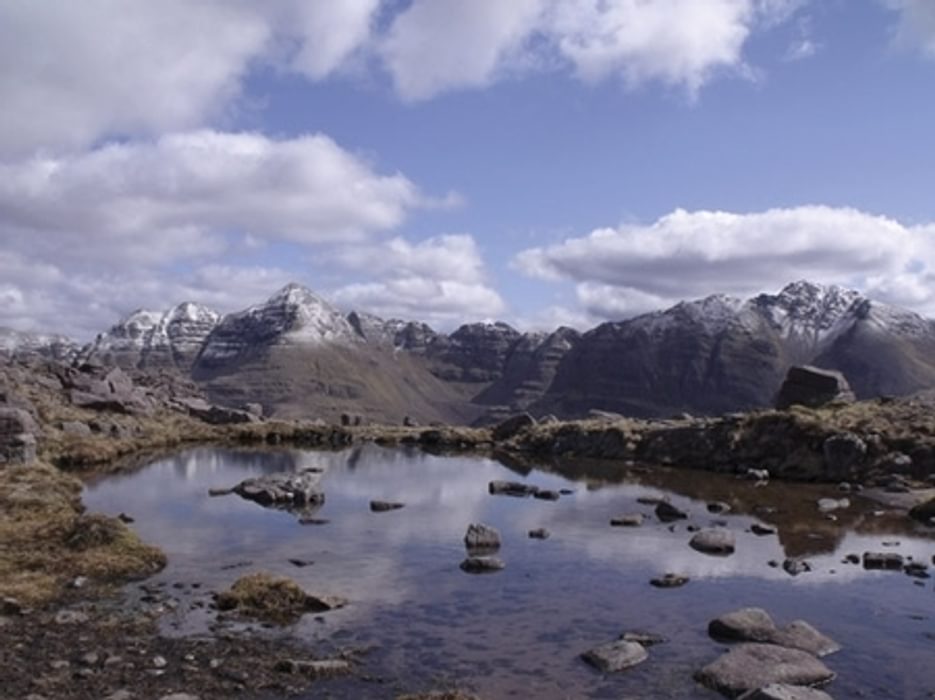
(17, 436)
(214, 414)
(749, 667)
(813, 387)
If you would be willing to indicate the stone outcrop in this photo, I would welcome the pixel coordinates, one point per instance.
(813, 387)
(17, 436)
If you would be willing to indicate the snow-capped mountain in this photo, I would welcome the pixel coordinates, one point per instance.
(293, 316)
(722, 354)
(19, 344)
(154, 339)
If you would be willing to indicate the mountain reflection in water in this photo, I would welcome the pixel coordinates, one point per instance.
(522, 629)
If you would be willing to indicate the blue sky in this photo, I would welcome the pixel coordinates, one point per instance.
(539, 161)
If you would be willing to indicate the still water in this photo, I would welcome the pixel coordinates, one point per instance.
(519, 632)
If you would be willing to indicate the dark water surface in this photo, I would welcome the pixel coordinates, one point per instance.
(518, 632)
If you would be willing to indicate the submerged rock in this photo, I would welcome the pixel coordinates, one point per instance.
(756, 625)
(752, 666)
(482, 565)
(616, 656)
(717, 541)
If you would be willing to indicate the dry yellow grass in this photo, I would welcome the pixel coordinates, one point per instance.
(46, 541)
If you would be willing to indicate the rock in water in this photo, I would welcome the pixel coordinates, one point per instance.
(511, 488)
(480, 536)
(756, 625)
(813, 387)
(284, 490)
(749, 667)
(629, 520)
(616, 656)
(384, 506)
(667, 512)
(717, 540)
(482, 565)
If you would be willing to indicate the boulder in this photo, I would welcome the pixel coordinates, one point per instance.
(17, 436)
(813, 387)
(512, 426)
(750, 666)
(843, 453)
(887, 561)
(616, 656)
(716, 540)
(756, 625)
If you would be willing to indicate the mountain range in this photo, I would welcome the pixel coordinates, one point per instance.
(299, 356)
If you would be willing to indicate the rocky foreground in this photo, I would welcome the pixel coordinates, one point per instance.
(59, 565)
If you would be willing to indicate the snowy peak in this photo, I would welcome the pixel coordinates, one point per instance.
(807, 310)
(167, 339)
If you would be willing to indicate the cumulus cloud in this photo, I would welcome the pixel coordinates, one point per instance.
(631, 269)
(916, 24)
(177, 196)
(440, 280)
(76, 72)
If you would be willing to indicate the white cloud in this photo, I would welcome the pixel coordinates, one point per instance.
(625, 271)
(177, 197)
(916, 26)
(440, 280)
(78, 72)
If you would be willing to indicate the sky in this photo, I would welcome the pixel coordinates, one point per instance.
(542, 162)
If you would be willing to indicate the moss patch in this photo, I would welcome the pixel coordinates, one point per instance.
(273, 599)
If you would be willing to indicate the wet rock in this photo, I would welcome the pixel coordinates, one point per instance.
(512, 426)
(313, 521)
(843, 453)
(480, 536)
(917, 569)
(813, 387)
(803, 636)
(751, 666)
(539, 534)
(827, 505)
(546, 495)
(924, 512)
(888, 561)
(717, 541)
(616, 656)
(320, 668)
(482, 565)
(286, 489)
(794, 567)
(718, 507)
(511, 488)
(650, 500)
(629, 520)
(301, 563)
(744, 625)
(669, 580)
(384, 506)
(666, 512)
(784, 691)
(646, 639)
(761, 530)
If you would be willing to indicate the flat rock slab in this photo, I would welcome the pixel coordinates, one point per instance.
(284, 489)
(784, 691)
(756, 625)
(749, 667)
(716, 540)
(482, 565)
(616, 656)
